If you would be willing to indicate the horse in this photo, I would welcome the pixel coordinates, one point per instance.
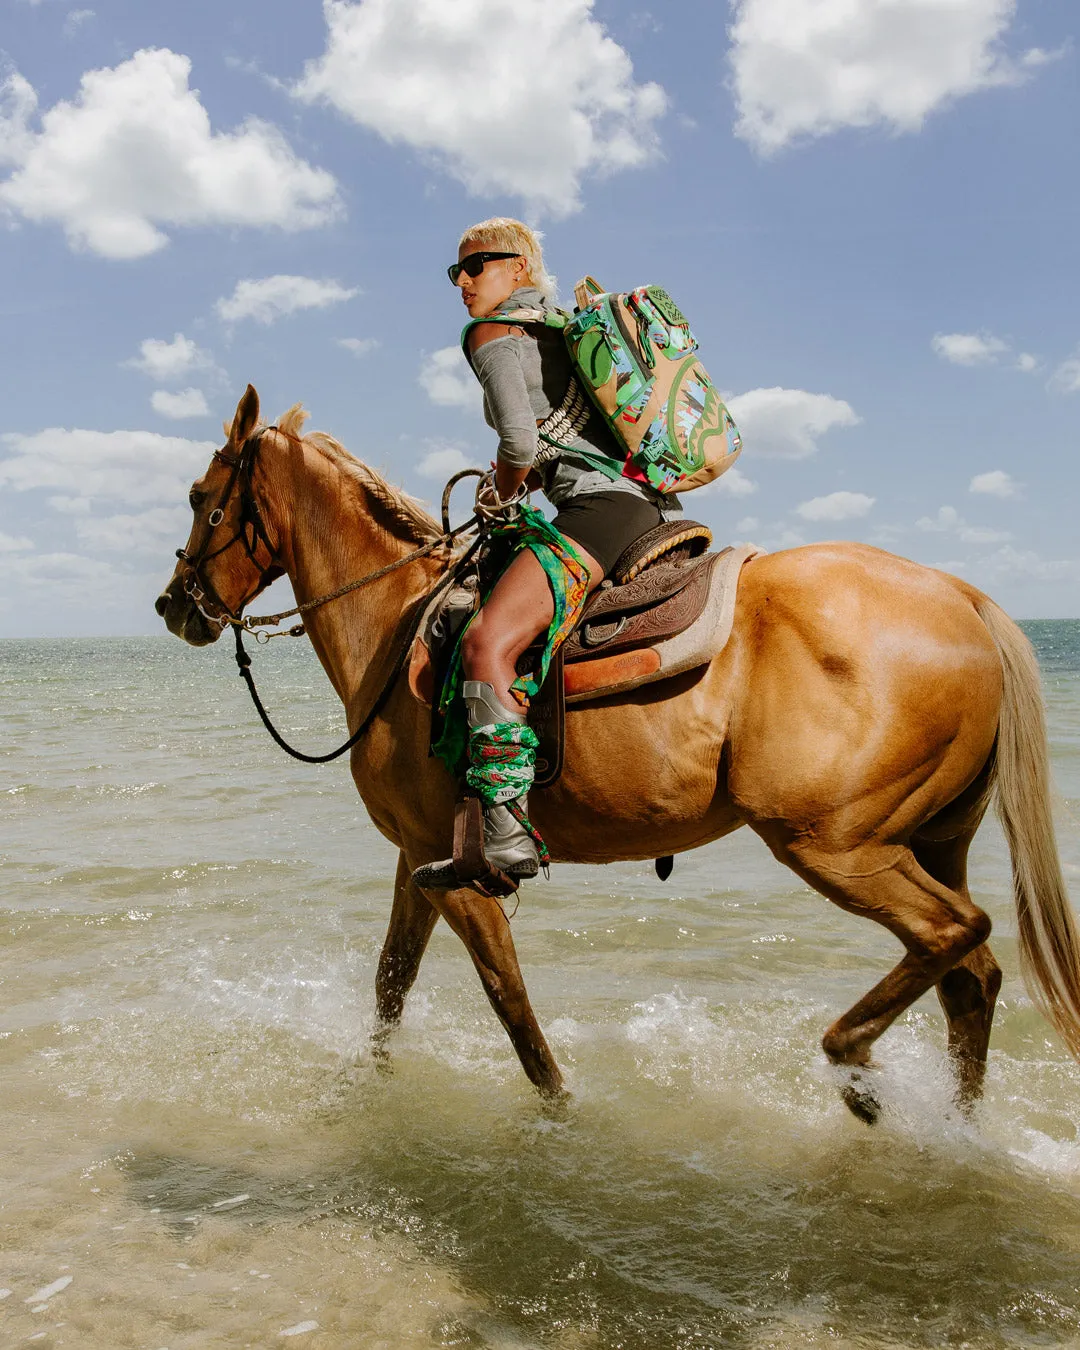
(862, 715)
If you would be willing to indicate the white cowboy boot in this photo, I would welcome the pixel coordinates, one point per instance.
(507, 844)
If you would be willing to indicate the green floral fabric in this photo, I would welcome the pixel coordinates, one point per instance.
(569, 580)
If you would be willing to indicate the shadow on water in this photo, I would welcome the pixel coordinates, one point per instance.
(589, 1232)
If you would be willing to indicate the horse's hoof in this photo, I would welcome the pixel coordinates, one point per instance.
(556, 1105)
(860, 1099)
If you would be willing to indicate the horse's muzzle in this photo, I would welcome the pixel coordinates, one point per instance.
(182, 617)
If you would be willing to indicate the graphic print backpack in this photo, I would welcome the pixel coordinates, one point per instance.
(634, 354)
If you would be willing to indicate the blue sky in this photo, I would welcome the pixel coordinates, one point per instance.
(868, 210)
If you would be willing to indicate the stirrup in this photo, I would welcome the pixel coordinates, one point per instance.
(470, 865)
(444, 876)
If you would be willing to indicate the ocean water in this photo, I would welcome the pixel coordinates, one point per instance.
(197, 1150)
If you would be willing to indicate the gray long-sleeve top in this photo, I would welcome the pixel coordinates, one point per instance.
(526, 378)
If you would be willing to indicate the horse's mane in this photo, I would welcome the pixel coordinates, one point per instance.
(399, 506)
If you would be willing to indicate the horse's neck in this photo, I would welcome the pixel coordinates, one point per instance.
(338, 536)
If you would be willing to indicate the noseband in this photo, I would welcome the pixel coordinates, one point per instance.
(196, 586)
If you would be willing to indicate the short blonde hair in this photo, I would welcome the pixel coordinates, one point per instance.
(501, 234)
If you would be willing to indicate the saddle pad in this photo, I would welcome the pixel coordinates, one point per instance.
(696, 645)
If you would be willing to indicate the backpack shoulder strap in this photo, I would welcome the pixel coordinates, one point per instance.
(549, 318)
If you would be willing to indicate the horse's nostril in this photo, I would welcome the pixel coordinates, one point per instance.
(161, 604)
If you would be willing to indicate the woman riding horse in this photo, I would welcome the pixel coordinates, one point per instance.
(524, 370)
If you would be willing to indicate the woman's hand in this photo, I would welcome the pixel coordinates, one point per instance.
(491, 504)
(508, 479)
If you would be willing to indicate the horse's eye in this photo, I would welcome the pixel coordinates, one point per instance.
(196, 499)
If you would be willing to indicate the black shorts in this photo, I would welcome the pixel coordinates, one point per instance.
(605, 524)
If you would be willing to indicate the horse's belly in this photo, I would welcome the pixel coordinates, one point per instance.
(639, 780)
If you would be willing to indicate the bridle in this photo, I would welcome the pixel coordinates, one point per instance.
(242, 467)
(198, 588)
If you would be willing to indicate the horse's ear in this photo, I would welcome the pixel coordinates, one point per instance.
(247, 417)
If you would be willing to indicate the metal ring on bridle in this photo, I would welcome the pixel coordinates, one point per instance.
(216, 516)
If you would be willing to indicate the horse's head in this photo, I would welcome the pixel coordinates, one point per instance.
(228, 558)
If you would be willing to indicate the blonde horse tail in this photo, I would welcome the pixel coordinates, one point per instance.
(1049, 943)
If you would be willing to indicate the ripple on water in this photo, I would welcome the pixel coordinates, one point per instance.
(196, 1133)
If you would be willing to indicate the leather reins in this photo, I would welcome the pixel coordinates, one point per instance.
(198, 588)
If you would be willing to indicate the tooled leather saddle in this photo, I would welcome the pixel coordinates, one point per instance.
(660, 586)
(667, 609)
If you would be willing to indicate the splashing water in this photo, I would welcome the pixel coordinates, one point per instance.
(199, 1149)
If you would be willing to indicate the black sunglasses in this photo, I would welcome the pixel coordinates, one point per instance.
(473, 265)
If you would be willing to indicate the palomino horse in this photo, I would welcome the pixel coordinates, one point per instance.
(859, 719)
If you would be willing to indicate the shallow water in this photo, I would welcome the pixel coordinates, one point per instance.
(195, 1139)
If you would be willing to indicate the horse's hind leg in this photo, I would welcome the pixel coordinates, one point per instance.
(412, 919)
(939, 927)
(969, 991)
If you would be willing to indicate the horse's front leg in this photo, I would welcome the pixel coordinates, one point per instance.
(482, 925)
(412, 919)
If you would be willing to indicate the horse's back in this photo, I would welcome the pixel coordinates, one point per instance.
(859, 674)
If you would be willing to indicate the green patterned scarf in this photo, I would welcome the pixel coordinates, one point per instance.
(569, 580)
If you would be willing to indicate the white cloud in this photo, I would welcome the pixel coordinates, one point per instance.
(1066, 379)
(786, 423)
(61, 576)
(447, 379)
(126, 468)
(785, 539)
(732, 483)
(996, 483)
(1035, 57)
(803, 68)
(947, 518)
(747, 525)
(14, 543)
(75, 20)
(269, 298)
(142, 532)
(968, 349)
(185, 403)
(980, 349)
(1010, 562)
(444, 461)
(135, 152)
(525, 97)
(949, 521)
(359, 346)
(18, 103)
(836, 506)
(71, 506)
(168, 361)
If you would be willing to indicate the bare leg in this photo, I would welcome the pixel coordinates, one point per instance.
(516, 612)
(938, 926)
(483, 927)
